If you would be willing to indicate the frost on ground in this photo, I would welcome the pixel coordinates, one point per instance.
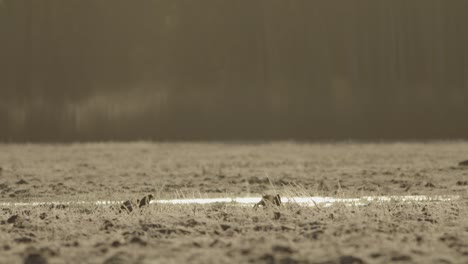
(429, 232)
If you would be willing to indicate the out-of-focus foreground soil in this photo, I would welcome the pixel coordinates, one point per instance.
(378, 233)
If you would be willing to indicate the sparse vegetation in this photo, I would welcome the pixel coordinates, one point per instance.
(430, 232)
(226, 234)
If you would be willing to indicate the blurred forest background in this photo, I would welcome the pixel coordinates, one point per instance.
(233, 69)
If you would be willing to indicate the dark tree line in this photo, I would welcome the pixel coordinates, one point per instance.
(222, 69)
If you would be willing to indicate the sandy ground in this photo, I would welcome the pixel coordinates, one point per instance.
(379, 233)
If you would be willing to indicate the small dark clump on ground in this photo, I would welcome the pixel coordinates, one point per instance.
(276, 215)
(12, 219)
(34, 257)
(350, 260)
(224, 232)
(429, 185)
(463, 163)
(118, 258)
(462, 183)
(127, 206)
(21, 182)
(145, 201)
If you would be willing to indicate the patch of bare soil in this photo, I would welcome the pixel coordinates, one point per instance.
(378, 233)
(102, 171)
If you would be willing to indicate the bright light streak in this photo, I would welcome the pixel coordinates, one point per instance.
(244, 201)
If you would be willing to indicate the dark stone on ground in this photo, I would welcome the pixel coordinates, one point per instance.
(138, 241)
(282, 249)
(118, 258)
(107, 225)
(401, 258)
(35, 258)
(463, 163)
(350, 260)
(116, 244)
(225, 227)
(462, 183)
(429, 185)
(43, 216)
(288, 260)
(24, 240)
(12, 219)
(21, 182)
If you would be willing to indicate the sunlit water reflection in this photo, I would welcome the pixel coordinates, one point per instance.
(249, 201)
